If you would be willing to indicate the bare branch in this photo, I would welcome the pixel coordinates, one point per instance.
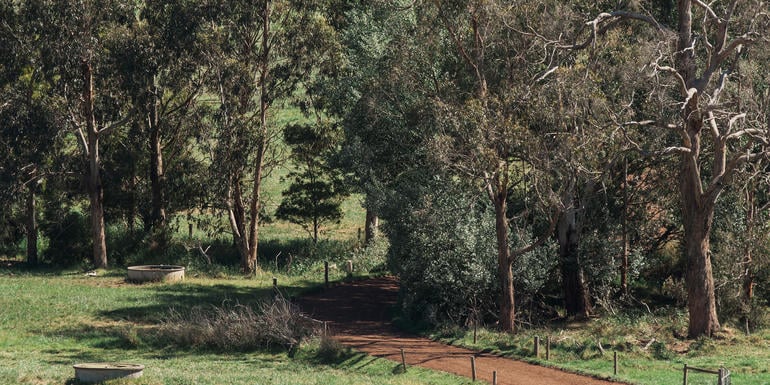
(112, 126)
(710, 12)
(541, 239)
(741, 133)
(605, 20)
(671, 150)
(672, 71)
(543, 76)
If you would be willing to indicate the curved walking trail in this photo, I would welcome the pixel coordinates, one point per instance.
(358, 313)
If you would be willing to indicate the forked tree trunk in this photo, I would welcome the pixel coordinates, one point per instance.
(697, 205)
(94, 180)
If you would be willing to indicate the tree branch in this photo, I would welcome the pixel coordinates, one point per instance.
(710, 12)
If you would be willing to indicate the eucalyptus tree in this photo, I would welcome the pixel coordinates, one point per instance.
(491, 114)
(259, 56)
(160, 57)
(74, 35)
(705, 72)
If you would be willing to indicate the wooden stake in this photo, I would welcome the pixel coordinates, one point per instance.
(189, 230)
(684, 382)
(494, 377)
(350, 268)
(403, 359)
(473, 368)
(615, 363)
(547, 348)
(475, 330)
(275, 283)
(537, 346)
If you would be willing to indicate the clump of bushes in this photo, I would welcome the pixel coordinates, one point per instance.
(268, 325)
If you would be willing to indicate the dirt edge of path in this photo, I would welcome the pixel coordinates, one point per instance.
(358, 312)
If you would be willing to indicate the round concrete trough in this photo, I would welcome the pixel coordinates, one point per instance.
(150, 273)
(100, 372)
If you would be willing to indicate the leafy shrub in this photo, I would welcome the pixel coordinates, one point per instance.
(298, 256)
(372, 258)
(443, 249)
(661, 352)
(69, 239)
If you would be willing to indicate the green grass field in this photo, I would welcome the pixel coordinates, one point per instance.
(49, 322)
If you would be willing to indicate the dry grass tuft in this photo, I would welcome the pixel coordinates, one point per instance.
(275, 324)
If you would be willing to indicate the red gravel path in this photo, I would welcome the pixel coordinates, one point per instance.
(358, 314)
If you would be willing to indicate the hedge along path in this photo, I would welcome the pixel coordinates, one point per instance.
(358, 313)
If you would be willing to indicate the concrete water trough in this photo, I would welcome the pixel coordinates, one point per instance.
(102, 371)
(155, 273)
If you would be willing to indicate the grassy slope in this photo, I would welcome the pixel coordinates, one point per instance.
(575, 347)
(49, 323)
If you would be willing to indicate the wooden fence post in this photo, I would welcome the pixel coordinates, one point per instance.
(547, 348)
(684, 382)
(494, 377)
(473, 368)
(403, 359)
(537, 346)
(615, 363)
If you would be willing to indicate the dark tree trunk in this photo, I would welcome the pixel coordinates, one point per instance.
(576, 298)
(157, 172)
(32, 256)
(701, 301)
(94, 180)
(505, 274)
(697, 205)
(370, 227)
(237, 214)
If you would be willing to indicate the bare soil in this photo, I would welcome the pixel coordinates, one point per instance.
(359, 314)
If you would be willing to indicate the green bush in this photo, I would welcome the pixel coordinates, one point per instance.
(443, 249)
(69, 239)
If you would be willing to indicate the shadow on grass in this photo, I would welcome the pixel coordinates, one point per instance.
(137, 327)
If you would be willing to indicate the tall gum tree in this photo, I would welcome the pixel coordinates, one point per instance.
(260, 55)
(701, 52)
(74, 35)
(484, 134)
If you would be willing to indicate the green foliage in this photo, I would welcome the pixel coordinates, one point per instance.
(316, 191)
(443, 248)
(69, 239)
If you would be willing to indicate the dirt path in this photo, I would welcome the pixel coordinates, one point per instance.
(358, 314)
